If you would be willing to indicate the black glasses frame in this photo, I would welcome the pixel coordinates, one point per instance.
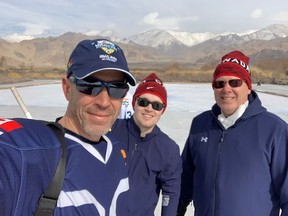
(143, 102)
(115, 89)
(234, 83)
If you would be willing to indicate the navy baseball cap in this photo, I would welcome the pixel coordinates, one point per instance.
(92, 56)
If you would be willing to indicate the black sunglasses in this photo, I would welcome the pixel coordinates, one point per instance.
(115, 89)
(233, 83)
(143, 102)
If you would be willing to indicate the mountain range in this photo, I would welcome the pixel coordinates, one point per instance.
(154, 48)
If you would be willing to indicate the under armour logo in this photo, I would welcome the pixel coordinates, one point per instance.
(204, 139)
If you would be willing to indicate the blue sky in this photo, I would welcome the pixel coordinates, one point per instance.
(41, 18)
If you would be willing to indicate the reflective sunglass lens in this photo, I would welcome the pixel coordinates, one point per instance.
(157, 106)
(117, 92)
(235, 83)
(115, 89)
(89, 90)
(218, 84)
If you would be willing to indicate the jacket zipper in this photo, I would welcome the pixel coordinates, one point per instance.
(218, 167)
(134, 150)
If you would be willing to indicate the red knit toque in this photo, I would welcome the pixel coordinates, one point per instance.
(234, 63)
(151, 85)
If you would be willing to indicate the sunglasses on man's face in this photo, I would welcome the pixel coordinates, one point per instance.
(115, 89)
(143, 102)
(218, 84)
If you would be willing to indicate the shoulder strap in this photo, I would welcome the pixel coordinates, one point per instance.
(49, 198)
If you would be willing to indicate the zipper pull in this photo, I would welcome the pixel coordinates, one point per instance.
(136, 147)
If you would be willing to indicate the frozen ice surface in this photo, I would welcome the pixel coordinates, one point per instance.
(44, 100)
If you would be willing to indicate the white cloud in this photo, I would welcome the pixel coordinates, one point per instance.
(256, 14)
(41, 18)
(151, 18)
(281, 16)
(172, 22)
(17, 37)
(28, 31)
(33, 29)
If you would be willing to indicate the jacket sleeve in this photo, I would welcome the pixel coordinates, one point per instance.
(10, 169)
(170, 178)
(279, 168)
(186, 194)
(28, 157)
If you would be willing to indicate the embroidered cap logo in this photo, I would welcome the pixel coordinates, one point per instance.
(106, 46)
(154, 80)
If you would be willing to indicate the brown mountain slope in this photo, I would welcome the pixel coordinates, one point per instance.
(175, 62)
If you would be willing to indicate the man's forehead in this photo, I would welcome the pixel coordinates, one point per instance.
(108, 75)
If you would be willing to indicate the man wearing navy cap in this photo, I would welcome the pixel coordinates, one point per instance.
(96, 181)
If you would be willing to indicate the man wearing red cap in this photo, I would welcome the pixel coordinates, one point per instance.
(153, 159)
(235, 160)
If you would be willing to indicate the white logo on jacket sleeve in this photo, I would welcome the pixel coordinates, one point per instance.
(165, 200)
(204, 139)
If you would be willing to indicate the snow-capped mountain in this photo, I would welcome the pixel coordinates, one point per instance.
(152, 48)
(170, 38)
(114, 36)
(231, 38)
(191, 39)
(165, 39)
(156, 38)
(268, 33)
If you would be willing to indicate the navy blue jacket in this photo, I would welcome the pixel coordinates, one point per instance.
(241, 171)
(154, 163)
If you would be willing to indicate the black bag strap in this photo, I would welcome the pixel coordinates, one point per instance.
(48, 200)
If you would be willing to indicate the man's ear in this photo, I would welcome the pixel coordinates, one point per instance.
(66, 87)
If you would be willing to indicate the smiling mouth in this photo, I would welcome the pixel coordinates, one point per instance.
(227, 98)
(147, 115)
